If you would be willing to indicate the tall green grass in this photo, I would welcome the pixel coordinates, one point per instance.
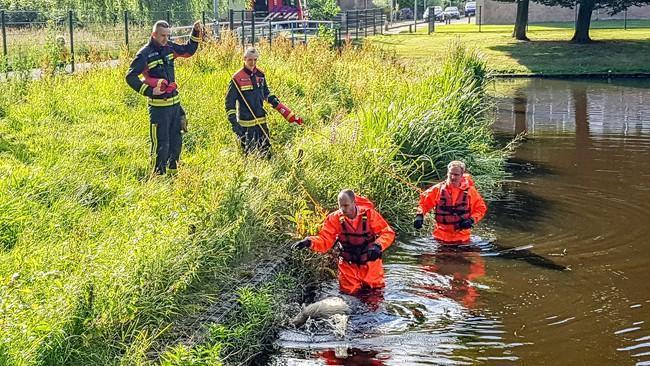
(97, 258)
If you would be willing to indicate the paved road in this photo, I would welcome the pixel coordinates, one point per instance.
(403, 26)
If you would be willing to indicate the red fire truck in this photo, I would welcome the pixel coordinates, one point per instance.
(281, 9)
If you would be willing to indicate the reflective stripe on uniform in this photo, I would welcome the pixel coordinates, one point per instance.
(153, 133)
(153, 64)
(230, 112)
(246, 88)
(195, 39)
(253, 122)
(164, 102)
(143, 88)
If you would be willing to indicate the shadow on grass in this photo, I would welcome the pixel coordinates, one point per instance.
(616, 56)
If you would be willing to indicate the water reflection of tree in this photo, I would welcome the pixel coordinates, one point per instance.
(583, 149)
(520, 105)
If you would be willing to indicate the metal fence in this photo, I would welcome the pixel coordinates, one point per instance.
(251, 27)
(32, 39)
(362, 23)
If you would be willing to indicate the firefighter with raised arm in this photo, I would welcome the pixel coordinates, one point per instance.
(152, 74)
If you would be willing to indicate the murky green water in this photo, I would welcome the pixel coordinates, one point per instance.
(580, 194)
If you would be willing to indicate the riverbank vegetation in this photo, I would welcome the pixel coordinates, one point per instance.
(99, 260)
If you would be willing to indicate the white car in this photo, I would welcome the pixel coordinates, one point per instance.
(437, 11)
(470, 8)
(451, 12)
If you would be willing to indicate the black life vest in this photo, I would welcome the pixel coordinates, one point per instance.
(353, 244)
(449, 214)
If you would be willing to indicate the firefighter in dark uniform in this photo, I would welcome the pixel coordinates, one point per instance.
(156, 61)
(245, 99)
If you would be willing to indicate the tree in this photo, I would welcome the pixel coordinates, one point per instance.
(521, 21)
(586, 7)
(583, 22)
(323, 9)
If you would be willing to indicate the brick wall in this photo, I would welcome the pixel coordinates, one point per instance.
(495, 12)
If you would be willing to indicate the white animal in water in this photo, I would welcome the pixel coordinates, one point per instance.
(322, 309)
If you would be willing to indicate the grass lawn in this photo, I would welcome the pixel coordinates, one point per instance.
(549, 52)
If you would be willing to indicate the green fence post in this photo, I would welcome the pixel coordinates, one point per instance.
(253, 28)
(126, 29)
(71, 27)
(4, 32)
(243, 30)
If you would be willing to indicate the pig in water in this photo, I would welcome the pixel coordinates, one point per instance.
(322, 309)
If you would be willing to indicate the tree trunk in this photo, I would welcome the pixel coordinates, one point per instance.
(583, 22)
(521, 21)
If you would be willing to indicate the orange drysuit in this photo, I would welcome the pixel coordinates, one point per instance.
(366, 228)
(451, 204)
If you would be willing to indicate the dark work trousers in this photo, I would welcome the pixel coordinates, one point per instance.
(166, 138)
(255, 140)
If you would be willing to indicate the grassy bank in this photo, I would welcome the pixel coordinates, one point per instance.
(550, 52)
(97, 258)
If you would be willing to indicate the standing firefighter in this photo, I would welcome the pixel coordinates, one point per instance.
(361, 234)
(456, 203)
(152, 74)
(245, 98)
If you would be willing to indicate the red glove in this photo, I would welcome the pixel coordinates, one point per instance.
(171, 87)
(162, 84)
(296, 120)
(288, 114)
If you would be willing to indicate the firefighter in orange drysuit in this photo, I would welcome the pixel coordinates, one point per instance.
(361, 234)
(456, 203)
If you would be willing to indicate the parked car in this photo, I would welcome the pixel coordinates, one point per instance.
(440, 14)
(405, 13)
(451, 12)
(437, 11)
(470, 9)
